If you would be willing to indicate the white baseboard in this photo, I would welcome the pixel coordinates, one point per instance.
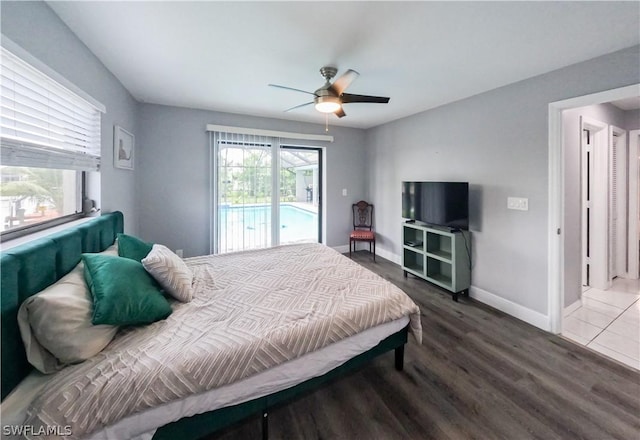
(382, 252)
(342, 249)
(389, 256)
(529, 316)
(572, 307)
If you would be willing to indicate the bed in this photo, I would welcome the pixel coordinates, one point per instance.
(213, 391)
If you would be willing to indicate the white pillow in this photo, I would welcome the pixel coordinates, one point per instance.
(111, 250)
(55, 324)
(170, 272)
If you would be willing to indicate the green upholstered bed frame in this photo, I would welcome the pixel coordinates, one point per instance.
(29, 268)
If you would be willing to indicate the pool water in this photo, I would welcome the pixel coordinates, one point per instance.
(249, 227)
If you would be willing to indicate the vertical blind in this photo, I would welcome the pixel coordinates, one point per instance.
(243, 179)
(42, 123)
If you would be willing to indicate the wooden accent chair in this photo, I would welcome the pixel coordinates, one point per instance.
(362, 226)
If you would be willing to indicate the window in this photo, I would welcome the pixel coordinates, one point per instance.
(49, 137)
(31, 196)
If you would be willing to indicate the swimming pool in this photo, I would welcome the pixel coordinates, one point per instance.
(249, 226)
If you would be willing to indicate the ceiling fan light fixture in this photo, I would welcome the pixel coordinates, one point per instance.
(327, 104)
(330, 97)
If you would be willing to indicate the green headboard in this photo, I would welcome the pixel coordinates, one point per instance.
(29, 268)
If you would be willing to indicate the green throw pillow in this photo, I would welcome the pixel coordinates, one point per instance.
(132, 247)
(123, 292)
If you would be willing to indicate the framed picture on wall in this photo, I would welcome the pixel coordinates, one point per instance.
(123, 148)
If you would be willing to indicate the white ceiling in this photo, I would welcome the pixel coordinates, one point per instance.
(221, 55)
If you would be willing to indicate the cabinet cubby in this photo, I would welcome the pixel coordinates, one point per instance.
(413, 261)
(439, 246)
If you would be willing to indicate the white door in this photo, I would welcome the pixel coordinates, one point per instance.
(633, 254)
(595, 203)
(586, 148)
(617, 202)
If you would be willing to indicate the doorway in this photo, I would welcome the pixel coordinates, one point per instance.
(265, 193)
(615, 220)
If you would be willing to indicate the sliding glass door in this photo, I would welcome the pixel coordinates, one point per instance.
(249, 170)
(300, 173)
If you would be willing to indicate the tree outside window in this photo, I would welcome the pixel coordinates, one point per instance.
(32, 195)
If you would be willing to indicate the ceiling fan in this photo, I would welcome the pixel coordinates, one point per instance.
(330, 97)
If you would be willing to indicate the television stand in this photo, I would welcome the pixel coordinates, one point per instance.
(439, 256)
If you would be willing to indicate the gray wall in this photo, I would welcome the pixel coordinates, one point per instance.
(497, 141)
(609, 114)
(172, 174)
(632, 121)
(38, 30)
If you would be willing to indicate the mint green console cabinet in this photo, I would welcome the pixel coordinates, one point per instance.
(438, 255)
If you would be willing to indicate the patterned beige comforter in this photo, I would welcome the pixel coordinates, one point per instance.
(252, 310)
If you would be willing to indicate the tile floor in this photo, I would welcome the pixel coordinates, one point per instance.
(608, 321)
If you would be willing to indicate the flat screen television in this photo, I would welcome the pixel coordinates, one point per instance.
(437, 203)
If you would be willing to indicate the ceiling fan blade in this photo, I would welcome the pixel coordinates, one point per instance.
(340, 113)
(347, 97)
(291, 88)
(298, 106)
(341, 84)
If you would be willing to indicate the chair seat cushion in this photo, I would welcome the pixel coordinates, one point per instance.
(363, 235)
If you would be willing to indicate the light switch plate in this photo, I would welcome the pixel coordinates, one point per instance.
(518, 203)
(344, 192)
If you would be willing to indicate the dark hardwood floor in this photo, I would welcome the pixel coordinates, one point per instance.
(479, 374)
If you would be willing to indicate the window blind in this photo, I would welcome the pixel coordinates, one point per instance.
(44, 124)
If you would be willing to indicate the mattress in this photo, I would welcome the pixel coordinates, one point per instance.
(142, 425)
(251, 311)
